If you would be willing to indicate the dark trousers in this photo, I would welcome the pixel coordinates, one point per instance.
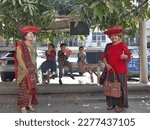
(48, 64)
(62, 65)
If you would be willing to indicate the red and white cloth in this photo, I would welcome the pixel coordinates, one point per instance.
(68, 52)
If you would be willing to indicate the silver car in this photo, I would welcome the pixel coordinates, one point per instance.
(7, 65)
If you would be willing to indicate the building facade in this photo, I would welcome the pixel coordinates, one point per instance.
(97, 39)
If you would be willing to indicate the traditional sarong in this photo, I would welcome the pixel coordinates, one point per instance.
(24, 94)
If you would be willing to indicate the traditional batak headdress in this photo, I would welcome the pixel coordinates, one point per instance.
(114, 30)
(29, 28)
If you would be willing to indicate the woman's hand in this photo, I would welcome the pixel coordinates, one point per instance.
(123, 56)
(48, 52)
(108, 67)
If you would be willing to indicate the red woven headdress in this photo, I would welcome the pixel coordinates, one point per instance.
(29, 29)
(114, 30)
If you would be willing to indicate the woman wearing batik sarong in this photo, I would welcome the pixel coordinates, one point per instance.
(25, 69)
(116, 56)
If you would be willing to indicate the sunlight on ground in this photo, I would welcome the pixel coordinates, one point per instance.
(85, 79)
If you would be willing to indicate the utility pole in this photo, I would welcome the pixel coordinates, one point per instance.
(143, 52)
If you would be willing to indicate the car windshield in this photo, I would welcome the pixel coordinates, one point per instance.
(134, 53)
(2, 54)
(10, 54)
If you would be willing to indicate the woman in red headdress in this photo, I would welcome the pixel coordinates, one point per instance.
(25, 69)
(116, 56)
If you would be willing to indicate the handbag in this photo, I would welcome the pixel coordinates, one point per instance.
(112, 89)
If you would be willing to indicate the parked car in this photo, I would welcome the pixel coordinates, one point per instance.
(134, 64)
(7, 67)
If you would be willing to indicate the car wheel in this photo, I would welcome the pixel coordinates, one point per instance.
(10, 79)
(3, 79)
(7, 77)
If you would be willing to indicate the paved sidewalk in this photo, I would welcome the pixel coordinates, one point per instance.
(75, 103)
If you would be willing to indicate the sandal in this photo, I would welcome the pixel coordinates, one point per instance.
(31, 108)
(119, 109)
(23, 110)
(110, 107)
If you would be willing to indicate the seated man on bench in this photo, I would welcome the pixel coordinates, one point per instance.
(63, 55)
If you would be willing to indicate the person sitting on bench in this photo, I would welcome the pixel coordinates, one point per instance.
(50, 62)
(63, 55)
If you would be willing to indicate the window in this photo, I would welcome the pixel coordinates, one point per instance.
(103, 38)
(98, 37)
(132, 39)
(93, 37)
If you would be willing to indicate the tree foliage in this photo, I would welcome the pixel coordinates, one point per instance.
(107, 13)
(18, 13)
(104, 13)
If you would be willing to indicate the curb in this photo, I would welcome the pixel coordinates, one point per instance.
(10, 88)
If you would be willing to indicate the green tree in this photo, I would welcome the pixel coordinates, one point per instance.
(107, 13)
(104, 13)
(18, 13)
